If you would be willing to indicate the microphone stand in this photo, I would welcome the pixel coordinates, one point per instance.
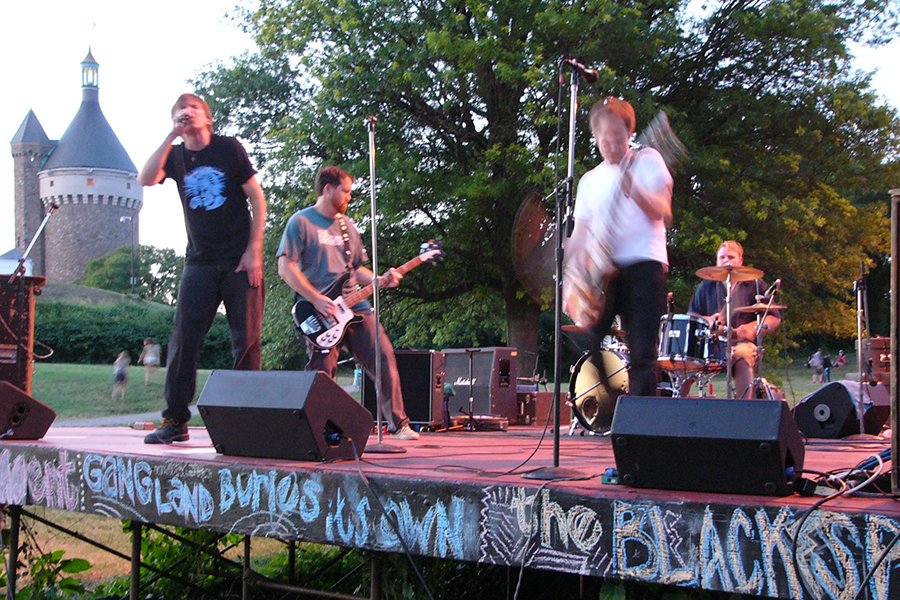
(862, 316)
(564, 204)
(19, 272)
(380, 447)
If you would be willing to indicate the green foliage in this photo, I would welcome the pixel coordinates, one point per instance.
(790, 152)
(96, 334)
(158, 271)
(41, 575)
(51, 577)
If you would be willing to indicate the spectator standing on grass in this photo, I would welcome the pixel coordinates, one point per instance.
(120, 374)
(817, 364)
(150, 358)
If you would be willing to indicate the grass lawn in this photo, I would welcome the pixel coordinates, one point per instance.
(85, 391)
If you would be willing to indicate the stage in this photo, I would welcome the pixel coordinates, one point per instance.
(453, 499)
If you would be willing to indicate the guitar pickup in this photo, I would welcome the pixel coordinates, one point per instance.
(311, 325)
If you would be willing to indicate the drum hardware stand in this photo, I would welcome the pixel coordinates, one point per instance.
(729, 361)
(759, 380)
(565, 203)
(380, 447)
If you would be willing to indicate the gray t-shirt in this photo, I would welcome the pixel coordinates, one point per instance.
(316, 244)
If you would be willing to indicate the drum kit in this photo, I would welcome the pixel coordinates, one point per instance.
(690, 350)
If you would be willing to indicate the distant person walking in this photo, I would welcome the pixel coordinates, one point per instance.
(224, 214)
(150, 358)
(817, 364)
(120, 374)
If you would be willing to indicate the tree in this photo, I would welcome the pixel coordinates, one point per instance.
(158, 271)
(783, 135)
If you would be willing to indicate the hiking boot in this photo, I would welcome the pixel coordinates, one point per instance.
(405, 433)
(169, 431)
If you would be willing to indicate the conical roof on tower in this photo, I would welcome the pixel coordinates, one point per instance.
(30, 131)
(89, 140)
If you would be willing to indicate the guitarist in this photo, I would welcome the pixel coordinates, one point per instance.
(319, 245)
(628, 195)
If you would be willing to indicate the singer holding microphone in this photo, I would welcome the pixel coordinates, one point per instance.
(709, 302)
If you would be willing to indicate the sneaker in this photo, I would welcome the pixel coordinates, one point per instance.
(405, 433)
(169, 431)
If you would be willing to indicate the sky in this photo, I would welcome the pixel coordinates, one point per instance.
(146, 53)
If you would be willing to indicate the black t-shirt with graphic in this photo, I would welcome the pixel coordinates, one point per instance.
(216, 211)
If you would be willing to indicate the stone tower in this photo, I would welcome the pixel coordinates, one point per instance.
(88, 175)
(30, 148)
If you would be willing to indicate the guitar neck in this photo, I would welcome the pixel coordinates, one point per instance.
(366, 291)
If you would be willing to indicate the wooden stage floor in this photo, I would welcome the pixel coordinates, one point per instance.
(453, 498)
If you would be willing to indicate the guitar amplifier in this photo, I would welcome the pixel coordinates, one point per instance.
(493, 381)
(422, 382)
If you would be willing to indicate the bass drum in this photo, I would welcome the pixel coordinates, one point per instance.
(595, 385)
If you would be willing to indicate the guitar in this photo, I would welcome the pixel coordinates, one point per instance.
(327, 332)
(585, 285)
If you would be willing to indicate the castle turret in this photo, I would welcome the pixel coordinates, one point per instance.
(91, 178)
(30, 148)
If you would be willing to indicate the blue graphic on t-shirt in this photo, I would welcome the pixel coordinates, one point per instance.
(204, 186)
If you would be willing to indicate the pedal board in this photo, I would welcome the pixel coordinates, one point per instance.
(480, 422)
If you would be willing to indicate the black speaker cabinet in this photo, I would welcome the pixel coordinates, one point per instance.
(494, 374)
(706, 445)
(422, 382)
(830, 411)
(23, 417)
(297, 415)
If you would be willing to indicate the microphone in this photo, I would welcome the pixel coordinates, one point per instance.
(589, 75)
(670, 304)
(769, 291)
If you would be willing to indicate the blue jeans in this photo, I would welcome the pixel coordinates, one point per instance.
(203, 288)
(360, 342)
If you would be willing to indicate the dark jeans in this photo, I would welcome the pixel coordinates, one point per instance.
(203, 288)
(360, 342)
(638, 294)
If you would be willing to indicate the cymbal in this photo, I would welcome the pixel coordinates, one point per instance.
(758, 307)
(737, 273)
(613, 331)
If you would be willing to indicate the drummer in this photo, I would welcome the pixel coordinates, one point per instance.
(709, 302)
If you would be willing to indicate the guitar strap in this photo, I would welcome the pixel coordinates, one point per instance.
(346, 237)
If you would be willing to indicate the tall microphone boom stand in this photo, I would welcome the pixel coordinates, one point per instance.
(564, 205)
(380, 447)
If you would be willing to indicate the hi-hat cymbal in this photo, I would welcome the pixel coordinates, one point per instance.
(759, 307)
(737, 273)
(613, 331)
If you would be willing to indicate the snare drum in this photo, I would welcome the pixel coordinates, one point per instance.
(683, 343)
(597, 381)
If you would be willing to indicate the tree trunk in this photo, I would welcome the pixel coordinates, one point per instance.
(522, 318)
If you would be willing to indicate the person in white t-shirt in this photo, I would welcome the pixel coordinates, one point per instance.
(625, 205)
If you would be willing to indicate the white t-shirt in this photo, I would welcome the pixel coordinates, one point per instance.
(634, 237)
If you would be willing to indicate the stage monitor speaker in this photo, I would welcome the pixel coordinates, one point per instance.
(24, 417)
(494, 374)
(296, 415)
(422, 382)
(707, 445)
(830, 411)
